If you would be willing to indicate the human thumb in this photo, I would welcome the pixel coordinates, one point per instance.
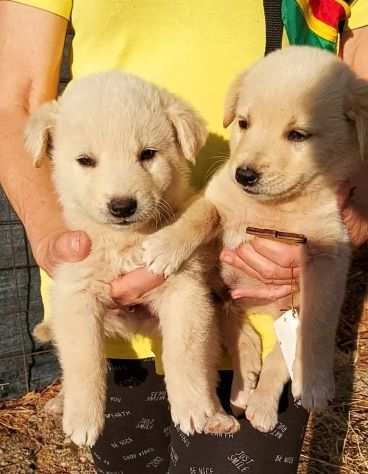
(70, 246)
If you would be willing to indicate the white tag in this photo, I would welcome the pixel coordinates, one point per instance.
(286, 331)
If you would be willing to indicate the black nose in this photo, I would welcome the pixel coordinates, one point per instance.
(247, 176)
(122, 207)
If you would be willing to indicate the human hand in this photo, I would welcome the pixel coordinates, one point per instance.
(273, 263)
(74, 246)
(128, 289)
(61, 246)
(355, 222)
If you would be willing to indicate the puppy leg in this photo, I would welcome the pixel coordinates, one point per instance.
(323, 289)
(166, 250)
(190, 356)
(263, 402)
(78, 334)
(244, 346)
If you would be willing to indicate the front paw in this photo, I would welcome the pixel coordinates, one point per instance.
(196, 417)
(131, 260)
(261, 411)
(83, 420)
(241, 390)
(313, 388)
(247, 367)
(221, 423)
(190, 416)
(163, 253)
(55, 406)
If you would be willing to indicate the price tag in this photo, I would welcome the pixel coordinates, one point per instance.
(286, 328)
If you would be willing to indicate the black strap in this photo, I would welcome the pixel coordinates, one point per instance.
(343, 23)
(274, 26)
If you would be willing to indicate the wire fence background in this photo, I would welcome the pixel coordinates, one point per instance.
(25, 364)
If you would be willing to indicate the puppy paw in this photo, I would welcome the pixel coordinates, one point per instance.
(241, 391)
(221, 423)
(191, 421)
(314, 396)
(132, 259)
(318, 397)
(101, 290)
(261, 412)
(55, 405)
(192, 415)
(83, 423)
(315, 389)
(163, 253)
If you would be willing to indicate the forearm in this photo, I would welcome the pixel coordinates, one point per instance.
(29, 189)
(354, 47)
(29, 71)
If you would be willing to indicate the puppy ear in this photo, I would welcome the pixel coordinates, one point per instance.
(38, 130)
(358, 113)
(190, 128)
(231, 100)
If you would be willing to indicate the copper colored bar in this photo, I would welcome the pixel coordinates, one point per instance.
(277, 235)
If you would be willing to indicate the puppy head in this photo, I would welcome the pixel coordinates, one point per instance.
(121, 148)
(298, 114)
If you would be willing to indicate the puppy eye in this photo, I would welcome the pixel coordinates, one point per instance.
(298, 136)
(87, 161)
(243, 124)
(147, 154)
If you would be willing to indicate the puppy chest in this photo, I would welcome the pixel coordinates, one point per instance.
(318, 220)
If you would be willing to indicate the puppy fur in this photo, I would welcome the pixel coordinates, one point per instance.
(117, 139)
(299, 124)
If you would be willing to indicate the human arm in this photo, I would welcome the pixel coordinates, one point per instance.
(29, 72)
(354, 205)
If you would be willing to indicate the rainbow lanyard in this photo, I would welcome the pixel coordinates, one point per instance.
(315, 22)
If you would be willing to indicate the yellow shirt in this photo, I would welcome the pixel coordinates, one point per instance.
(193, 48)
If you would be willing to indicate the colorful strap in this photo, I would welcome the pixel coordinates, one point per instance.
(314, 22)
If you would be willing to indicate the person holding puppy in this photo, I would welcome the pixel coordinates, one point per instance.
(184, 47)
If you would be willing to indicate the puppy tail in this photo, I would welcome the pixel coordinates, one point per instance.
(42, 332)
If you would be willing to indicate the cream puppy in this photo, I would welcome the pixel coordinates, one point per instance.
(300, 121)
(121, 149)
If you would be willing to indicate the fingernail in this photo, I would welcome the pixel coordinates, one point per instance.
(75, 242)
(227, 257)
(236, 295)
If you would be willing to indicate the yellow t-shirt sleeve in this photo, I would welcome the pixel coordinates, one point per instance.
(359, 14)
(58, 7)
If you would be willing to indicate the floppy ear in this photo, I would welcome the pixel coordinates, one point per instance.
(38, 130)
(190, 127)
(358, 113)
(231, 100)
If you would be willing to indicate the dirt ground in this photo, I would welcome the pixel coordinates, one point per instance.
(335, 442)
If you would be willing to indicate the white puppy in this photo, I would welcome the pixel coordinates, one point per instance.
(120, 149)
(300, 121)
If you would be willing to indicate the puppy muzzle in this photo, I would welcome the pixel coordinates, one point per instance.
(248, 178)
